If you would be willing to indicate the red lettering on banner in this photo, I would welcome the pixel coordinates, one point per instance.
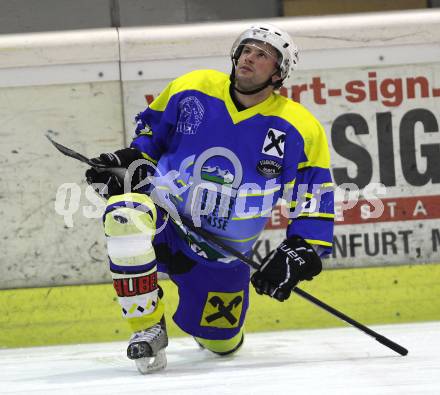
(135, 286)
(334, 92)
(279, 218)
(390, 91)
(394, 209)
(423, 84)
(149, 99)
(284, 92)
(357, 93)
(372, 84)
(296, 92)
(317, 86)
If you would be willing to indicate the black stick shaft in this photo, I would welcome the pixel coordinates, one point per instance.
(381, 339)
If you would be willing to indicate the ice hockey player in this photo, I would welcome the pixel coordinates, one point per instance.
(223, 149)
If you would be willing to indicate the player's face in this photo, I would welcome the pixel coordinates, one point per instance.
(256, 64)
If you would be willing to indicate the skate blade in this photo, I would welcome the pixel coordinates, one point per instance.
(153, 364)
(139, 350)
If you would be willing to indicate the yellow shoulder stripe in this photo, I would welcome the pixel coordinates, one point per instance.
(312, 132)
(209, 82)
(214, 84)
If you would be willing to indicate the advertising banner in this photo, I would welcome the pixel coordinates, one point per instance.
(382, 125)
(372, 80)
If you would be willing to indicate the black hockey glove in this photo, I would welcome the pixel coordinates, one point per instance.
(107, 183)
(294, 260)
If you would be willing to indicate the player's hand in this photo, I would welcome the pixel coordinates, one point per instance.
(294, 260)
(108, 183)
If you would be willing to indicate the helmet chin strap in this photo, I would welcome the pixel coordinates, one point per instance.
(256, 90)
(253, 91)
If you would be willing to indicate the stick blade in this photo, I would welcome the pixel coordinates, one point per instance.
(72, 154)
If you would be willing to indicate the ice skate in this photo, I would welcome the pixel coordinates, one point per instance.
(147, 348)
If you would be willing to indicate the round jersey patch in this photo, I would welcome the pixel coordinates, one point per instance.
(269, 168)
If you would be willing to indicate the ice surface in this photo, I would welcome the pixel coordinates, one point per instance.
(328, 361)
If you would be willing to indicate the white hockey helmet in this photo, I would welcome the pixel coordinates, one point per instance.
(277, 38)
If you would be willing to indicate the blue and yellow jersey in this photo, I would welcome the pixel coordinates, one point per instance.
(228, 168)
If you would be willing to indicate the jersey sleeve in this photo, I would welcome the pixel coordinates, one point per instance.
(155, 125)
(309, 193)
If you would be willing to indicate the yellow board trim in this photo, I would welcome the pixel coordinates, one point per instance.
(91, 313)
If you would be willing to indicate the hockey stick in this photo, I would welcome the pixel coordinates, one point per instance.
(118, 171)
(73, 154)
(380, 338)
(209, 237)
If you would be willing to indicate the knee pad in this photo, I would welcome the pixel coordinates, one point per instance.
(130, 225)
(222, 347)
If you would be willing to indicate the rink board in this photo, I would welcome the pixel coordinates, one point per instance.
(90, 313)
(376, 94)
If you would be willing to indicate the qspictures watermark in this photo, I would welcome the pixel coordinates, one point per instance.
(212, 200)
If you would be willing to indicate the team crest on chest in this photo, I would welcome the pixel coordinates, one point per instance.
(191, 115)
(274, 143)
